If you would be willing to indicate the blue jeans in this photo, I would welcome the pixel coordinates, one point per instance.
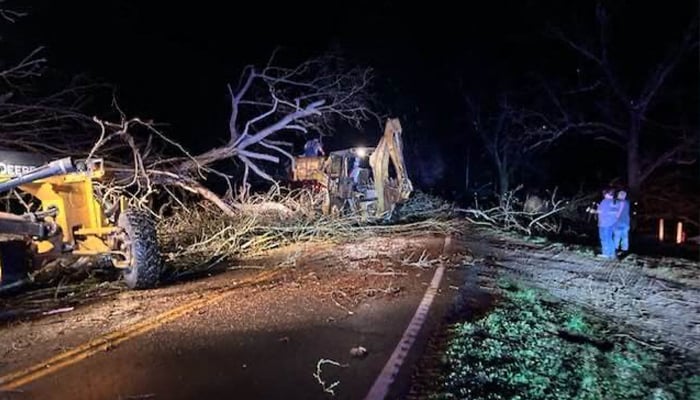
(606, 240)
(621, 237)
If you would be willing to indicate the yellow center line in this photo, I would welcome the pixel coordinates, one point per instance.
(16, 379)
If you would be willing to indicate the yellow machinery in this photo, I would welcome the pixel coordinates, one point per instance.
(359, 179)
(73, 220)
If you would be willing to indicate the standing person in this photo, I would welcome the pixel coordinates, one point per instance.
(355, 172)
(621, 229)
(607, 215)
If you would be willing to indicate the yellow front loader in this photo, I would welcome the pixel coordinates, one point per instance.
(72, 220)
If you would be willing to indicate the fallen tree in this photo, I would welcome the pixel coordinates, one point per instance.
(512, 214)
(269, 106)
(197, 237)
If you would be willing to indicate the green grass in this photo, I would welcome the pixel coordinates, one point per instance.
(531, 348)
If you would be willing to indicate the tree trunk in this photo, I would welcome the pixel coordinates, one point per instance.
(633, 167)
(634, 170)
(503, 180)
(466, 172)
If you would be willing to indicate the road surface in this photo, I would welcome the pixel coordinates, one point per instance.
(243, 334)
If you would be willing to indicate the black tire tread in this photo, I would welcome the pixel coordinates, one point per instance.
(144, 273)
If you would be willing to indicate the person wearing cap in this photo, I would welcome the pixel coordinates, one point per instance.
(621, 228)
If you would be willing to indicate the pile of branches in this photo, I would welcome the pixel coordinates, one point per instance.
(423, 205)
(511, 214)
(65, 296)
(196, 236)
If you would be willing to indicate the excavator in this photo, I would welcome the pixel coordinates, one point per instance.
(369, 181)
(73, 219)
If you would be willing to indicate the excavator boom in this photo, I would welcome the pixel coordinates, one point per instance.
(390, 191)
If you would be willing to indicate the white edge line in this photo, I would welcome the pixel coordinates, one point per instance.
(381, 385)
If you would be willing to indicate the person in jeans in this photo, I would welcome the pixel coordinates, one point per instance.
(607, 215)
(621, 229)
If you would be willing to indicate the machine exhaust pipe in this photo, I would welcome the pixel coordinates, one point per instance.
(53, 168)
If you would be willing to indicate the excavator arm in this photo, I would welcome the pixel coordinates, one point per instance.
(390, 191)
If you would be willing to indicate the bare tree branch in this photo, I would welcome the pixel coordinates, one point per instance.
(629, 125)
(274, 103)
(670, 156)
(664, 69)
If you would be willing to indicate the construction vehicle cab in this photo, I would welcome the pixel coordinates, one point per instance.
(72, 219)
(359, 179)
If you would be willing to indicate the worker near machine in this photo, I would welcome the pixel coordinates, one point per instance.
(313, 148)
(621, 229)
(607, 216)
(355, 172)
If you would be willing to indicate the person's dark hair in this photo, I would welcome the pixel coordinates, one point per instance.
(609, 191)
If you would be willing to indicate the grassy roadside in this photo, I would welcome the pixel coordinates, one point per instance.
(529, 347)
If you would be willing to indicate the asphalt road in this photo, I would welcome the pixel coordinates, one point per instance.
(261, 342)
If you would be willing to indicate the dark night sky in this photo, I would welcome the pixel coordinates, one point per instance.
(171, 61)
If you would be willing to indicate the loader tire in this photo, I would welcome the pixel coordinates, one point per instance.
(146, 263)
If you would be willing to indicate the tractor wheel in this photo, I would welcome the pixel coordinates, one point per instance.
(141, 247)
